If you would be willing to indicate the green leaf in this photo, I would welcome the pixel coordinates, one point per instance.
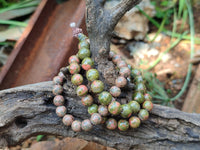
(39, 137)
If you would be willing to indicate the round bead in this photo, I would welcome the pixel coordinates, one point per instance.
(87, 63)
(111, 124)
(121, 64)
(115, 91)
(81, 90)
(123, 125)
(74, 68)
(76, 126)
(135, 106)
(105, 98)
(148, 105)
(93, 109)
(139, 79)
(115, 108)
(120, 82)
(139, 97)
(125, 71)
(67, 120)
(97, 86)
(60, 74)
(116, 58)
(81, 37)
(92, 74)
(95, 119)
(58, 100)
(57, 80)
(111, 54)
(83, 53)
(135, 72)
(61, 111)
(86, 125)
(140, 87)
(147, 97)
(77, 79)
(73, 59)
(126, 111)
(143, 114)
(57, 89)
(134, 122)
(103, 110)
(83, 44)
(87, 100)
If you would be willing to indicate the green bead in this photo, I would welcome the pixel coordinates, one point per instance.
(134, 122)
(93, 109)
(87, 63)
(81, 90)
(143, 114)
(126, 111)
(83, 43)
(140, 87)
(135, 72)
(114, 108)
(97, 86)
(92, 74)
(139, 97)
(81, 37)
(135, 106)
(147, 97)
(77, 79)
(123, 125)
(83, 53)
(139, 79)
(148, 105)
(105, 98)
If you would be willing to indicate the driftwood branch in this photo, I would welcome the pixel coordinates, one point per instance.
(28, 110)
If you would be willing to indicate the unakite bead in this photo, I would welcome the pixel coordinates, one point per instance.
(67, 120)
(81, 37)
(57, 80)
(87, 100)
(96, 118)
(58, 100)
(86, 125)
(57, 89)
(120, 82)
(83, 43)
(115, 91)
(105, 98)
(61, 111)
(143, 114)
(76, 126)
(87, 63)
(93, 109)
(123, 125)
(111, 124)
(111, 54)
(126, 111)
(121, 64)
(83, 53)
(135, 72)
(125, 71)
(73, 59)
(92, 74)
(103, 110)
(81, 90)
(147, 97)
(135, 106)
(74, 68)
(134, 122)
(114, 108)
(139, 97)
(77, 79)
(116, 58)
(148, 105)
(139, 79)
(97, 86)
(140, 87)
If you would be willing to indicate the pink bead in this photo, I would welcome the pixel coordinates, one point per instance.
(96, 119)
(86, 125)
(57, 80)
(58, 100)
(61, 111)
(115, 91)
(67, 120)
(121, 82)
(116, 58)
(73, 59)
(76, 126)
(121, 64)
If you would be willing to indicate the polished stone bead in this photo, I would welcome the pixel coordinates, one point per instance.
(76, 126)
(134, 122)
(143, 114)
(126, 111)
(125, 71)
(97, 86)
(58, 100)
(57, 89)
(148, 105)
(60, 74)
(123, 125)
(67, 120)
(105, 98)
(96, 118)
(73, 59)
(86, 125)
(61, 111)
(92, 74)
(83, 53)
(77, 79)
(81, 90)
(147, 97)
(74, 68)
(139, 79)
(57, 80)
(111, 54)
(83, 43)
(82, 37)
(87, 100)
(93, 109)
(115, 91)
(135, 106)
(111, 124)
(135, 72)
(139, 97)
(103, 110)
(114, 108)
(87, 63)
(140, 87)
(121, 82)
(121, 64)
(116, 58)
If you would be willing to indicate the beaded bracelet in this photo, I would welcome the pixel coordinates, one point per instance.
(135, 111)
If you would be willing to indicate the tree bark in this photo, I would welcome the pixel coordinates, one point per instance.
(28, 110)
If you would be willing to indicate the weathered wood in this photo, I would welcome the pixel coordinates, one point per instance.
(28, 110)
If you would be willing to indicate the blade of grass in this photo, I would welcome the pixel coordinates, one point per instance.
(180, 8)
(174, 24)
(11, 22)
